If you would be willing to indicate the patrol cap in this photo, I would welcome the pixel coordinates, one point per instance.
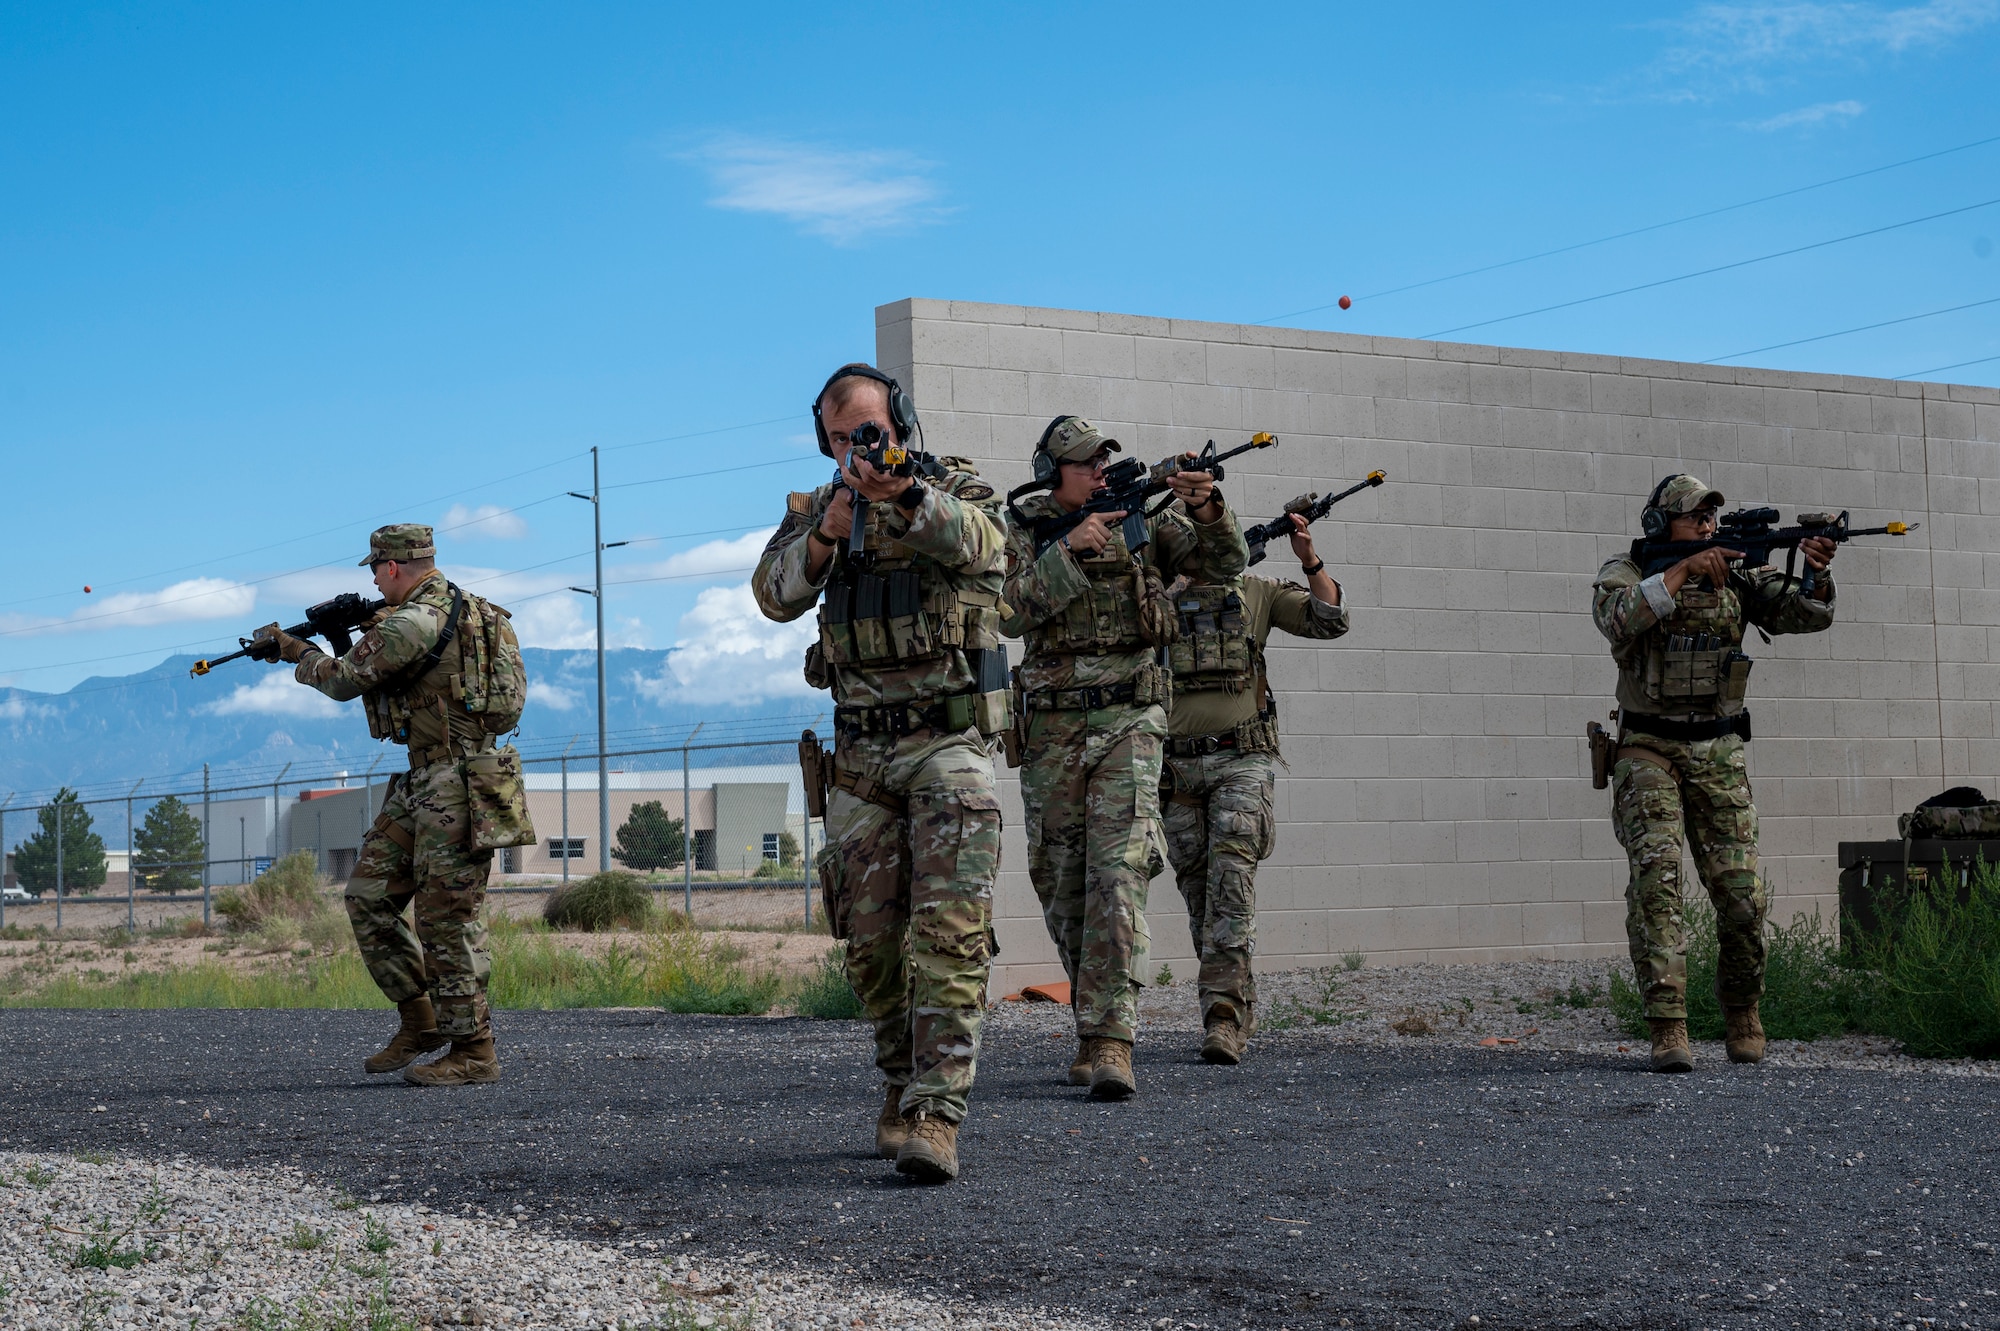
(400, 541)
(1687, 494)
(1074, 439)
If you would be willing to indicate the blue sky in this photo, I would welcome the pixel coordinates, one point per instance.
(272, 275)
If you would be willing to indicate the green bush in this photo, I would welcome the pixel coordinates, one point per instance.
(1807, 995)
(601, 901)
(290, 890)
(824, 992)
(1930, 977)
(693, 973)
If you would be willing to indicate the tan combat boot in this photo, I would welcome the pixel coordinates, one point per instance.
(930, 1155)
(1111, 1069)
(1670, 1045)
(1745, 1036)
(892, 1129)
(1079, 1067)
(1224, 1042)
(417, 1036)
(468, 1062)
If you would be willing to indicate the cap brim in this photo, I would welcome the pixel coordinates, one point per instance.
(368, 559)
(1711, 499)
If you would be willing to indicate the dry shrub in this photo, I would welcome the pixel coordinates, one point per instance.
(599, 902)
(287, 904)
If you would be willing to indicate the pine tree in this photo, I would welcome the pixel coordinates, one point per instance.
(82, 849)
(169, 848)
(649, 839)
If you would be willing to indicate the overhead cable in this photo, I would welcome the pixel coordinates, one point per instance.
(1908, 318)
(1718, 268)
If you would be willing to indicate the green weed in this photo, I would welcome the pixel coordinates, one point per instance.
(37, 1177)
(1165, 976)
(107, 1248)
(305, 1238)
(1807, 995)
(824, 991)
(1354, 960)
(601, 901)
(1316, 1009)
(376, 1237)
(1930, 977)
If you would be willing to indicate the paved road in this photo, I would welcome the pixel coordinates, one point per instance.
(1311, 1187)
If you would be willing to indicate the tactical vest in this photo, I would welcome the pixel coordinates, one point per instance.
(1122, 609)
(1216, 649)
(477, 687)
(899, 608)
(1690, 661)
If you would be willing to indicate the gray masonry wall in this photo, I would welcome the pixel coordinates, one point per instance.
(1437, 804)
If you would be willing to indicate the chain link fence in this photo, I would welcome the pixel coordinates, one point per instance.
(725, 816)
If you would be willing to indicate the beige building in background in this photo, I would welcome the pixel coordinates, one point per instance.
(1437, 802)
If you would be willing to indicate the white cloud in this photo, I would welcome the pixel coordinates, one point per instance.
(20, 709)
(1765, 34)
(274, 694)
(1809, 116)
(552, 695)
(709, 559)
(840, 194)
(727, 652)
(486, 522)
(194, 599)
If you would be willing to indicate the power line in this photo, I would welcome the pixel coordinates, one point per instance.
(698, 434)
(719, 471)
(1908, 318)
(1640, 231)
(1939, 369)
(1719, 268)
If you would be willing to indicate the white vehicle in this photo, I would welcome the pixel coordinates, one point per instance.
(17, 894)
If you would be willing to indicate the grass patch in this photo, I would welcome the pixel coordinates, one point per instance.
(1930, 977)
(600, 902)
(376, 1314)
(1317, 1008)
(824, 992)
(690, 973)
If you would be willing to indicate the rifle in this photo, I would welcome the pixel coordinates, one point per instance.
(875, 448)
(1129, 484)
(1754, 532)
(333, 620)
(1309, 506)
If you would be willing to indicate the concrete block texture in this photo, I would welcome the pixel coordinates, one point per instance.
(1435, 802)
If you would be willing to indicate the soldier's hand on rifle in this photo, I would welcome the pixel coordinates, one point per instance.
(838, 520)
(272, 643)
(1710, 564)
(1318, 580)
(1194, 488)
(1818, 551)
(873, 485)
(1094, 532)
(1302, 541)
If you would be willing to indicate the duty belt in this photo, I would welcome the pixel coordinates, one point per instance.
(1249, 737)
(1687, 731)
(1082, 700)
(451, 748)
(867, 788)
(894, 718)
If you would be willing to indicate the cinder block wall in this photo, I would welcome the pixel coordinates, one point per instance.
(1437, 803)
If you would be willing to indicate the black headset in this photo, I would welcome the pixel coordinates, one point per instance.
(1046, 468)
(1652, 521)
(902, 411)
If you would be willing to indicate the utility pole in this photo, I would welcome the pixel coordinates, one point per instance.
(596, 501)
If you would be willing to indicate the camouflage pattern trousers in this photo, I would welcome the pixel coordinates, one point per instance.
(913, 897)
(1702, 796)
(417, 851)
(1090, 782)
(1219, 822)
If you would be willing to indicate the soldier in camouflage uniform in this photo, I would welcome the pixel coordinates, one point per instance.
(1222, 748)
(909, 644)
(414, 678)
(1095, 615)
(1679, 773)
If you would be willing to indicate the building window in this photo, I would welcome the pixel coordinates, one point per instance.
(770, 845)
(561, 849)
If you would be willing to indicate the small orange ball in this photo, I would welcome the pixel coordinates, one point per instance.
(86, 589)
(1347, 302)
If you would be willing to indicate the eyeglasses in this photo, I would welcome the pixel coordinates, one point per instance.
(1095, 462)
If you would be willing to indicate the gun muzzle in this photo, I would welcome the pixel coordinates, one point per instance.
(200, 668)
(1377, 477)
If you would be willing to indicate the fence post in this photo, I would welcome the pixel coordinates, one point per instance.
(278, 810)
(3, 859)
(131, 860)
(565, 806)
(59, 863)
(687, 835)
(204, 845)
(806, 861)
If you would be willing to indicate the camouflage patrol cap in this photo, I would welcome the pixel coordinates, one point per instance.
(1687, 494)
(400, 541)
(1074, 439)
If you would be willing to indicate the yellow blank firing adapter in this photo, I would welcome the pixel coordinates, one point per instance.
(1377, 477)
(1263, 439)
(199, 668)
(1899, 529)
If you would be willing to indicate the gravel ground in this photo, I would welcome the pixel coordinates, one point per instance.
(1344, 1175)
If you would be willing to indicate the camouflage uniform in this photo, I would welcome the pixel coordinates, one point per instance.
(1094, 735)
(421, 846)
(913, 824)
(1220, 759)
(1666, 788)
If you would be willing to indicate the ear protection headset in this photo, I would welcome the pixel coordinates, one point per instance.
(1652, 521)
(902, 411)
(1046, 469)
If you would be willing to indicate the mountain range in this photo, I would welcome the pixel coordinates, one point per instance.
(108, 733)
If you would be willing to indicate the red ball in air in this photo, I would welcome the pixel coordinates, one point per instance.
(1347, 302)
(86, 589)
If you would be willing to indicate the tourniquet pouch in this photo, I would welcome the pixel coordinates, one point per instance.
(497, 798)
(827, 863)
